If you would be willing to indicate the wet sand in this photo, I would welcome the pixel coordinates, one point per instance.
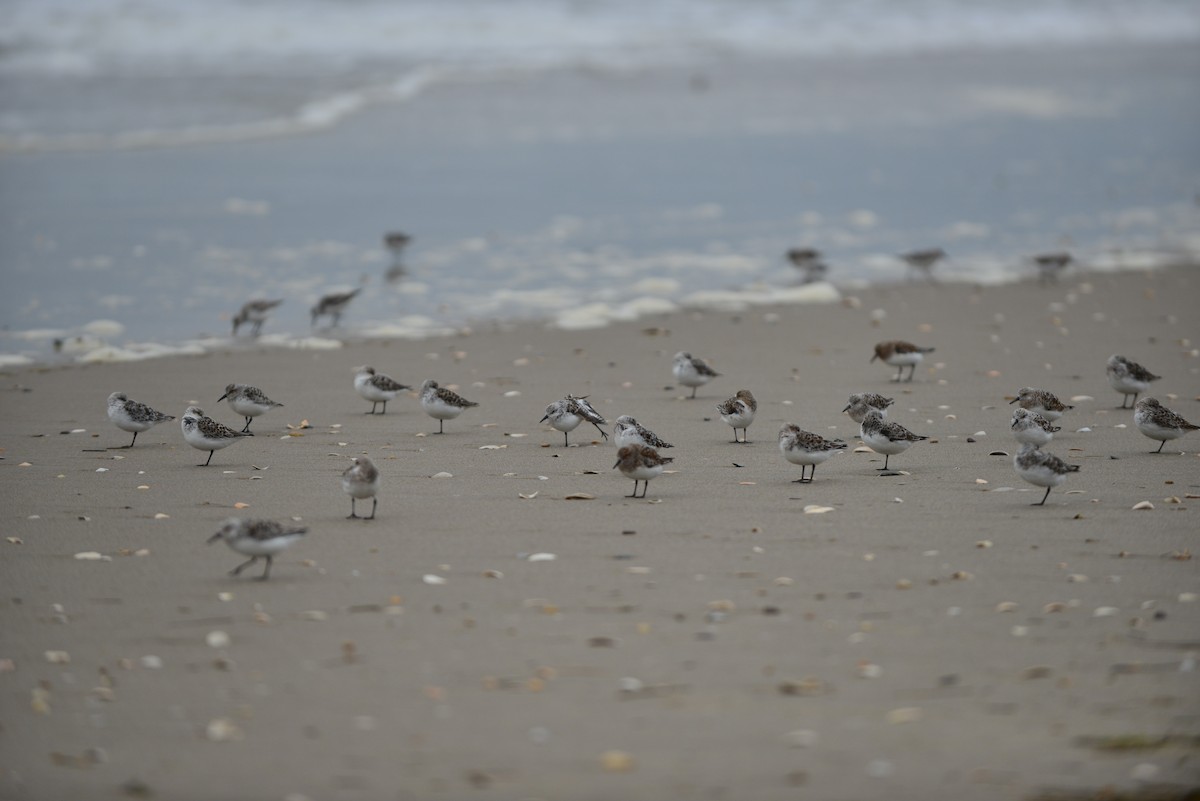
(932, 636)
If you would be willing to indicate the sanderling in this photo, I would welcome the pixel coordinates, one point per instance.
(565, 415)
(333, 305)
(860, 403)
(738, 412)
(900, 354)
(1030, 428)
(255, 538)
(922, 261)
(627, 431)
(1041, 469)
(376, 387)
(1128, 378)
(206, 434)
(1041, 401)
(248, 401)
(1050, 265)
(806, 449)
(256, 313)
(133, 416)
(396, 242)
(1158, 422)
(441, 404)
(360, 481)
(886, 437)
(808, 261)
(641, 463)
(692, 372)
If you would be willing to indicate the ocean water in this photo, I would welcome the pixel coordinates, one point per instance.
(580, 162)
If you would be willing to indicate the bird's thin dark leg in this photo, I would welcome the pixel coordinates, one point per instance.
(812, 473)
(352, 516)
(237, 570)
(566, 440)
(694, 391)
(130, 445)
(899, 373)
(634, 495)
(441, 426)
(1044, 497)
(247, 426)
(384, 407)
(210, 453)
(374, 503)
(267, 570)
(886, 456)
(1160, 447)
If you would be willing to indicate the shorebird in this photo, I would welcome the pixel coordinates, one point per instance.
(886, 437)
(257, 538)
(738, 412)
(361, 481)
(1042, 469)
(808, 261)
(900, 354)
(641, 463)
(206, 434)
(1128, 378)
(442, 404)
(806, 449)
(248, 401)
(132, 416)
(1041, 401)
(1030, 428)
(860, 403)
(1158, 422)
(255, 313)
(627, 431)
(1050, 265)
(376, 387)
(565, 415)
(692, 372)
(333, 305)
(396, 242)
(922, 261)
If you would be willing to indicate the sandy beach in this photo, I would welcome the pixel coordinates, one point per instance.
(931, 635)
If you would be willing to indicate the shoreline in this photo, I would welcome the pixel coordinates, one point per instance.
(930, 636)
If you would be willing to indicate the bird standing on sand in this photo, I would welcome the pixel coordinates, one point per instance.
(333, 305)
(922, 262)
(1128, 378)
(248, 401)
(641, 463)
(257, 538)
(396, 242)
(1050, 265)
(627, 431)
(1030, 428)
(1041, 401)
(376, 387)
(1158, 422)
(1042, 469)
(565, 415)
(692, 372)
(206, 434)
(900, 354)
(738, 412)
(361, 481)
(442, 404)
(885, 437)
(808, 261)
(256, 313)
(132, 416)
(806, 449)
(860, 403)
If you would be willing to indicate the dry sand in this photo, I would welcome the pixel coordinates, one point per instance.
(930, 637)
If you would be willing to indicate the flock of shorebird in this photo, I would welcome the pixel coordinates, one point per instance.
(813, 267)
(638, 448)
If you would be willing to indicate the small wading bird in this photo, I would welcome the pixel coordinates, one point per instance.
(900, 354)
(1042, 469)
(332, 306)
(442, 404)
(808, 262)
(1041, 402)
(738, 412)
(1049, 266)
(885, 437)
(248, 401)
(860, 403)
(921, 262)
(692, 372)
(206, 434)
(255, 313)
(361, 481)
(641, 463)
(376, 387)
(1030, 428)
(257, 539)
(566, 415)
(806, 449)
(1128, 378)
(627, 431)
(132, 416)
(1158, 422)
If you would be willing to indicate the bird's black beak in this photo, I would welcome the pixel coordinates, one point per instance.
(1014, 400)
(544, 419)
(848, 405)
(615, 464)
(214, 538)
(223, 397)
(873, 358)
